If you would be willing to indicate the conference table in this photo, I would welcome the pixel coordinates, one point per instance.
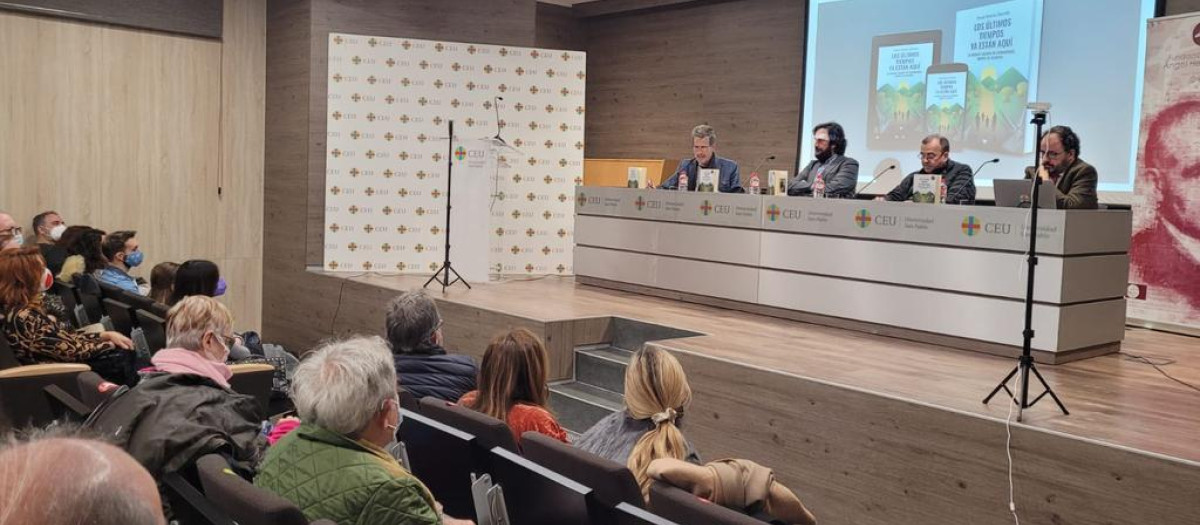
(949, 274)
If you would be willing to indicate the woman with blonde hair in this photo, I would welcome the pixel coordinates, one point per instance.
(513, 385)
(656, 395)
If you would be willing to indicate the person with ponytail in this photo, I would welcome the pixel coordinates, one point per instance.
(656, 395)
(513, 385)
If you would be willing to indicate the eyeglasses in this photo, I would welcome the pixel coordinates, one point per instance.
(1053, 154)
(928, 156)
(11, 231)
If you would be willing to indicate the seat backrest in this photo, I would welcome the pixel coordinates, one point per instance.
(241, 500)
(409, 402)
(443, 458)
(93, 389)
(91, 304)
(137, 301)
(108, 290)
(8, 359)
(23, 398)
(254, 379)
(154, 328)
(681, 506)
(70, 299)
(120, 314)
(612, 482)
(488, 431)
(536, 495)
(626, 514)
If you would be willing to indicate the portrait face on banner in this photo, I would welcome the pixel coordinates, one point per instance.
(390, 100)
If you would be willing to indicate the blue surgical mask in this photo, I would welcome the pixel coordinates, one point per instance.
(134, 259)
(221, 286)
(18, 239)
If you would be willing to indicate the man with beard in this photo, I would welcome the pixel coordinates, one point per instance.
(1166, 252)
(935, 160)
(832, 168)
(1074, 180)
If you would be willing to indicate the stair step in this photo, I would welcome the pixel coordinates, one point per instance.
(578, 406)
(602, 366)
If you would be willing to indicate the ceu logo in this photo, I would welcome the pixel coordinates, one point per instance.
(773, 213)
(971, 226)
(581, 200)
(706, 207)
(862, 218)
(640, 203)
(460, 153)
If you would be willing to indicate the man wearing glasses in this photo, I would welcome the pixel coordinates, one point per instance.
(832, 174)
(935, 160)
(11, 235)
(1074, 179)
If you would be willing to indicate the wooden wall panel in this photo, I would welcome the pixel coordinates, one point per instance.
(858, 457)
(122, 129)
(652, 75)
(188, 17)
(1178, 7)
(558, 28)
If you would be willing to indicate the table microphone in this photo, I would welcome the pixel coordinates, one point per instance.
(876, 177)
(761, 162)
(984, 163)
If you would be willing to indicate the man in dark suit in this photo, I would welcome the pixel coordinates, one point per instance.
(935, 160)
(1074, 180)
(704, 155)
(838, 172)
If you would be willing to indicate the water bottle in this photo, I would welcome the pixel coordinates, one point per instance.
(755, 184)
(818, 189)
(683, 181)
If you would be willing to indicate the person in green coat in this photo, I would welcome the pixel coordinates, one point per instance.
(336, 464)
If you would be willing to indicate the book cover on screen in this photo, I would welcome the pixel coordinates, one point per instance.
(998, 43)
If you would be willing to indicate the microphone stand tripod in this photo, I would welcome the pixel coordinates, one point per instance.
(442, 275)
(1025, 362)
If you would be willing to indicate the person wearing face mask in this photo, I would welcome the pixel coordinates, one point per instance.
(338, 464)
(185, 408)
(832, 172)
(49, 228)
(37, 337)
(11, 235)
(123, 254)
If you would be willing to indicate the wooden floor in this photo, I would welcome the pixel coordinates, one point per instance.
(1113, 399)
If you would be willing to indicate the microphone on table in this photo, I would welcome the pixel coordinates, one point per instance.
(754, 172)
(876, 177)
(973, 174)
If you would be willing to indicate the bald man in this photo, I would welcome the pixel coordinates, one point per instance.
(11, 235)
(57, 480)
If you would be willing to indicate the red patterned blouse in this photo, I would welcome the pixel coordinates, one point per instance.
(523, 418)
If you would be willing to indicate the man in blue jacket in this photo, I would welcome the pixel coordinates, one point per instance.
(414, 330)
(704, 155)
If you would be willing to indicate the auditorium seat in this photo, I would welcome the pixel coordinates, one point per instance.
(8, 359)
(243, 502)
(489, 431)
(94, 390)
(94, 308)
(254, 379)
(626, 514)
(70, 299)
(35, 395)
(154, 328)
(612, 482)
(443, 458)
(536, 495)
(681, 506)
(409, 402)
(121, 315)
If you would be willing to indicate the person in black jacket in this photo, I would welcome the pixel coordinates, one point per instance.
(414, 330)
(935, 160)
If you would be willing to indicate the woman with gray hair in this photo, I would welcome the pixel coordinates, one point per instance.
(336, 465)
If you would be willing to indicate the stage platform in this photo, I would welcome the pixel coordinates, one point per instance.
(871, 429)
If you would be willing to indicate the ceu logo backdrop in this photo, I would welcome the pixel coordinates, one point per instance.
(389, 103)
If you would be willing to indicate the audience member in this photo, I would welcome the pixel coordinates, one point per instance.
(185, 409)
(51, 480)
(414, 330)
(36, 337)
(337, 464)
(512, 385)
(196, 277)
(739, 484)
(123, 254)
(656, 394)
(11, 235)
(162, 281)
(49, 228)
(84, 256)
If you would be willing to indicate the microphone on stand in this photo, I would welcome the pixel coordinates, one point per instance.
(754, 172)
(876, 177)
(981, 165)
(496, 105)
